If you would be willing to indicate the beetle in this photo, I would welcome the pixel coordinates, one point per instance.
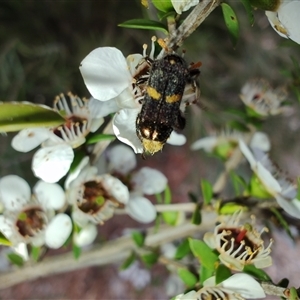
(161, 110)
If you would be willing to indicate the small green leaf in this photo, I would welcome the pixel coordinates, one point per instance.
(196, 217)
(282, 221)
(298, 191)
(293, 294)
(187, 277)
(230, 208)
(76, 251)
(95, 138)
(249, 11)
(205, 274)
(238, 182)
(170, 217)
(144, 24)
(222, 273)
(231, 22)
(193, 197)
(257, 273)
(128, 261)
(168, 195)
(15, 259)
(270, 5)
(3, 240)
(139, 238)
(183, 249)
(207, 191)
(35, 253)
(163, 5)
(150, 259)
(15, 116)
(205, 254)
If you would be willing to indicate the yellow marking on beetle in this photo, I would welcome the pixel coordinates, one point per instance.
(173, 98)
(153, 93)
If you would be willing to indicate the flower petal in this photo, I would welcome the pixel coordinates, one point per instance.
(50, 195)
(121, 159)
(101, 109)
(21, 249)
(149, 181)
(183, 5)
(292, 207)
(141, 209)
(125, 129)
(105, 73)
(247, 153)
(276, 24)
(289, 16)
(191, 295)
(58, 231)
(115, 187)
(206, 143)
(261, 141)
(86, 236)
(133, 61)
(245, 285)
(270, 183)
(176, 139)
(53, 162)
(28, 139)
(6, 227)
(14, 192)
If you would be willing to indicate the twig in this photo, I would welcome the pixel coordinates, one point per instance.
(191, 23)
(111, 252)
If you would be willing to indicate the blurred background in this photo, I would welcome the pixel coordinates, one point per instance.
(41, 46)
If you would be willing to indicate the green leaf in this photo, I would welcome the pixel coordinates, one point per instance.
(170, 217)
(193, 197)
(249, 11)
(205, 274)
(298, 190)
(257, 273)
(239, 184)
(15, 116)
(293, 294)
(15, 259)
(230, 208)
(282, 221)
(168, 195)
(128, 261)
(207, 191)
(35, 253)
(205, 254)
(76, 251)
(144, 24)
(183, 249)
(187, 277)
(150, 259)
(139, 238)
(231, 22)
(3, 240)
(271, 5)
(222, 273)
(95, 138)
(163, 5)
(196, 217)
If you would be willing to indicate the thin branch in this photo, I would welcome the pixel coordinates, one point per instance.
(111, 252)
(191, 23)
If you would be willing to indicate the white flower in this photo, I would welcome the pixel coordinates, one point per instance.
(286, 20)
(94, 197)
(239, 245)
(183, 5)
(53, 160)
(31, 218)
(273, 180)
(119, 83)
(146, 181)
(262, 99)
(225, 143)
(85, 236)
(237, 287)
